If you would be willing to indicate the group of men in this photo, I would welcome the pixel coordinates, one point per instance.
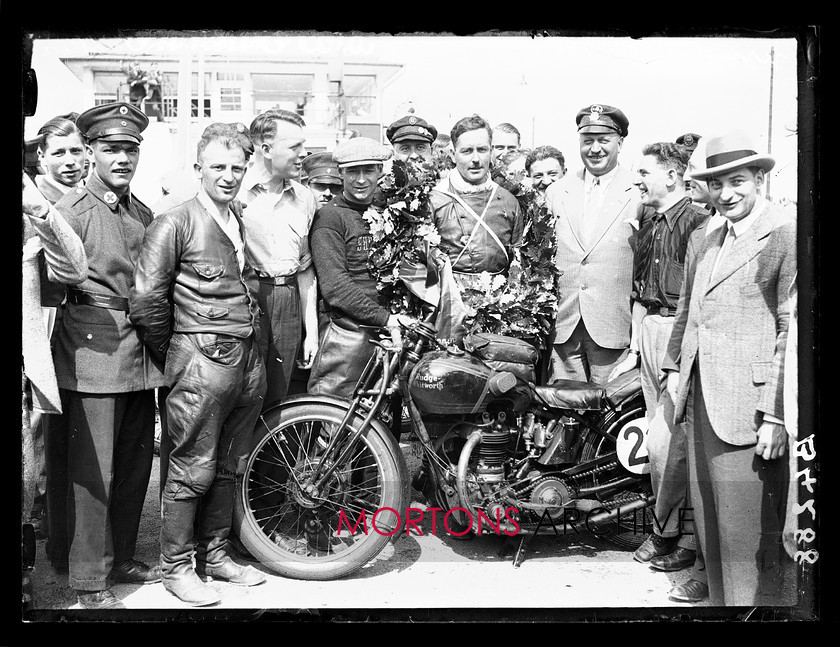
(219, 300)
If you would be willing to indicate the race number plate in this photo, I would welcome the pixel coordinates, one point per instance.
(631, 446)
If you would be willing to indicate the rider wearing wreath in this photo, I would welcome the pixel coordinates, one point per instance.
(480, 223)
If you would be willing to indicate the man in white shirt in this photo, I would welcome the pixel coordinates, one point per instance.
(277, 216)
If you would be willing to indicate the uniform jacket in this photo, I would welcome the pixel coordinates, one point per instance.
(188, 280)
(596, 278)
(454, 225)
(736, 325)
(52, 293)
(98, 350)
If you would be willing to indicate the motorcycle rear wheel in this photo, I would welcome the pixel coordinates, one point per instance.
(308, 538)
(624, 533)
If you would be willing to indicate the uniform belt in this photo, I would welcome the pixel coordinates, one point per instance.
(107, 301)
(662, 311)
(279, 280)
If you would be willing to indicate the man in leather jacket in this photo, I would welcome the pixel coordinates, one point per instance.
(195, 302)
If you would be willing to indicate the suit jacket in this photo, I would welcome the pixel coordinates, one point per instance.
(596, 276)
(735, 326)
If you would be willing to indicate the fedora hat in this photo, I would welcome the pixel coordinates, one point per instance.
(729, 152)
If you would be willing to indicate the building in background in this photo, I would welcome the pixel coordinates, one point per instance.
(337, 99)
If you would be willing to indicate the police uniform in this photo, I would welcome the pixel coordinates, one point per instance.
(321, 168)
(106, 376)
(411, 128)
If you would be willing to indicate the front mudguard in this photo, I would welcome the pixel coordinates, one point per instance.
(264, 425)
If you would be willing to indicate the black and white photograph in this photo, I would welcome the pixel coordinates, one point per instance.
(504, 326)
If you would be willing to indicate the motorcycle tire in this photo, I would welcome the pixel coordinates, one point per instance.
(301, 538)
(595, 446)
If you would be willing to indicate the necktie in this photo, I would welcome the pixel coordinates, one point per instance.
(728, 239)
(593, 205)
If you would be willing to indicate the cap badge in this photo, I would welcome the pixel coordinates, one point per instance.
(110, 197)
(688, 140)
(240, 127)
(412, 120)
(123, 123)
(123, 110)
(595, 112)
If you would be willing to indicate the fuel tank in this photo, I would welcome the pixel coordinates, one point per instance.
(445, 383)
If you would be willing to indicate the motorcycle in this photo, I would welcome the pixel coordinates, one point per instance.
(326, 486)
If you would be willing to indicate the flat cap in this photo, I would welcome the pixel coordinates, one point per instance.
(360, 150)
(689, 140)
(321, 167)
(599, 118)
(411, 127)
(113, 122)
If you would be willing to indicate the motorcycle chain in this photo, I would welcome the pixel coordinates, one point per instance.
(565, 479)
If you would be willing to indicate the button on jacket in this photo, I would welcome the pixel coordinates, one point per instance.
(98, 350)
(185, 248)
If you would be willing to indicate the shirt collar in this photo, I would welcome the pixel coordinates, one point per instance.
(673, 213)
(258, 175)
(58, 186)
(98, 188)
(207, 203)
(740, 227)
(604, 179)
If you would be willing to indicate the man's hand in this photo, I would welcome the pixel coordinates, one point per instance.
(772, 440)
(394, 326)
(672, 384)
(627, 364)
(34, 203)
(310, 348)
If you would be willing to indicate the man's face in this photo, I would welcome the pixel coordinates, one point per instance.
(654, 181)
(472, 155)
(734, 193)
(698, 191)
(599, 151)
(220, 170)
(545, 172)
(504, 143)
(285, 151)
(413, 149)
(114, 162)
(324, 191)
(64, 158)
(360, 181)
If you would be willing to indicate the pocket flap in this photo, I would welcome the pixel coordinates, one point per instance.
(211, 312)
(207, 271)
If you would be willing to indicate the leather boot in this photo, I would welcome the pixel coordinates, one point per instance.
(215, 514)
(176, 549)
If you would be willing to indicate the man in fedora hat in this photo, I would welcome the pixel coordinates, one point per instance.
(106, 375)
(726, 367)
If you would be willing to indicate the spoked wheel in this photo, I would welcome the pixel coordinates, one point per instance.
(629, 532)
(304, 529)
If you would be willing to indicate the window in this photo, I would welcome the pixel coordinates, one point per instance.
(109, 87)
(360, 94)
(169, 92)
(230, 99)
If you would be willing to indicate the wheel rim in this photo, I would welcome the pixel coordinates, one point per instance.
(300, 521)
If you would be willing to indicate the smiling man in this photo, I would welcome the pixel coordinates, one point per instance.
(341, 241)
(412, 138)
(726, 369)
(594, 209)
(480, 223)
(278, 215)
(659, 246)
(106, 375)
(195, 303)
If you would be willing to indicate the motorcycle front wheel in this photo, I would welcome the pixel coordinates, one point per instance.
(317, 533)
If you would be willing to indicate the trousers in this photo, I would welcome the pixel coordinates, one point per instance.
(281, 326)
(580, 358)
(341, 358)
(110, 445)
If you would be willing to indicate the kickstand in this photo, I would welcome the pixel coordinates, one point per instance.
(519, 556)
